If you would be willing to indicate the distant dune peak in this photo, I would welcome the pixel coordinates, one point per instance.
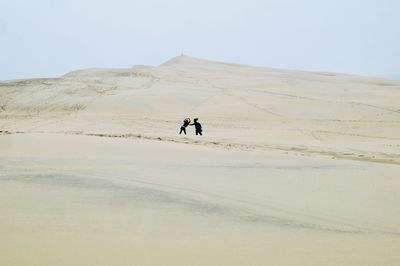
(184, 59)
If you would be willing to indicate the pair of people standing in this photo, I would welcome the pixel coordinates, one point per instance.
(196, 125)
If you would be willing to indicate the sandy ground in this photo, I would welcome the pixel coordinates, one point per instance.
(295, 168)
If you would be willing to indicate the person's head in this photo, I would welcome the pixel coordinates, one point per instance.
(195, 120)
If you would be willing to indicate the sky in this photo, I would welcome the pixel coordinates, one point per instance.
(48, 38)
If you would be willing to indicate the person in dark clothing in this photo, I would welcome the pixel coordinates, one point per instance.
(197, 126)
(186, 122)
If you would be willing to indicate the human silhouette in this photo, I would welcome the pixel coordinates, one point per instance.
(197, 126)
(186, 122)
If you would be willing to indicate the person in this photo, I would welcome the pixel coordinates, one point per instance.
(197, 126)
(186, 122)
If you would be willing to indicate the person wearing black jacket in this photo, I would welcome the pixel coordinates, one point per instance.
(197, 126)
(186, 122)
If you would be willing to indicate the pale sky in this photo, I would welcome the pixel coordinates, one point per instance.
(48, 38)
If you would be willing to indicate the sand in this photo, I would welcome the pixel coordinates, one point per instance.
(294, 168)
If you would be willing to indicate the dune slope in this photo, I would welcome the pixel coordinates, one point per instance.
(240, 106)
(294, 168)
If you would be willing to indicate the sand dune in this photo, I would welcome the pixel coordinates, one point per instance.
(345, 116)
(294, 168)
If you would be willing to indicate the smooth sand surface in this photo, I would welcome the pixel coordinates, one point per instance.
(294, 168)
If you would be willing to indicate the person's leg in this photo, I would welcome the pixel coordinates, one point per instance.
(180, 132)
(184, 130)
